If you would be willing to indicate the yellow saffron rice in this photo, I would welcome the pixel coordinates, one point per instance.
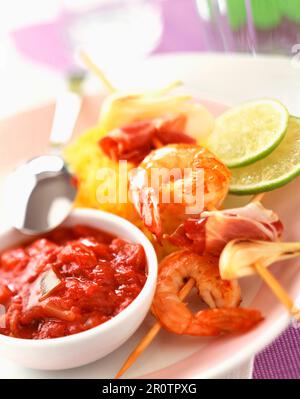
(98, 185)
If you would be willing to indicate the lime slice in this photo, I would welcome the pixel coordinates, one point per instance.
(274, 171)
(249, 132)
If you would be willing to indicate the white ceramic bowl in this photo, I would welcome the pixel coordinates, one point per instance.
(88, 346)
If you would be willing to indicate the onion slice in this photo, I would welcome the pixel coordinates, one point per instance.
(239, 256)
(48, 282)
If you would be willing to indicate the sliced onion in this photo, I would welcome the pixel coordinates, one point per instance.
(45, 284)
(239, 256)
(48, 283)
(53, 310)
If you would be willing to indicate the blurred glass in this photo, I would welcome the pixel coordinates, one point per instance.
(115, 31)
(256, 26)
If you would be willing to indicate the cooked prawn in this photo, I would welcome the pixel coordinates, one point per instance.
(165, 186)
(222, 296)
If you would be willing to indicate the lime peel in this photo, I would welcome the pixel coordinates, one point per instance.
(274, 171)
(248, 132)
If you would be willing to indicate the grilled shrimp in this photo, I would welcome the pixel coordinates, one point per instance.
(174, 182)
(222, 296)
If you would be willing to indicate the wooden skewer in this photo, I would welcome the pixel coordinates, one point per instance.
(170, 87)
(258, 197)
(152, 333)
(272, 282)
(88, 62)
(91, 66)
(277, 289)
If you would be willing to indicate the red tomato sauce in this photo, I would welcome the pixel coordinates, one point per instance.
(68, 281)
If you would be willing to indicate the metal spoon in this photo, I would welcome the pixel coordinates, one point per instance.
(39, 194)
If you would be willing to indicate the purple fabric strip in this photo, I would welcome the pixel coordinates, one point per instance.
(281, 359)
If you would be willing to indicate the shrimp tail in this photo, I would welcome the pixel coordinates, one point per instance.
(145, 200)
(150, 213)
(214, 322)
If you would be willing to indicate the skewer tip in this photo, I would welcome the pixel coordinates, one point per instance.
(295, 312)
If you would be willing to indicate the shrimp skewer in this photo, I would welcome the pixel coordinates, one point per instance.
(222, 296)
(216, 321)
(90, 65)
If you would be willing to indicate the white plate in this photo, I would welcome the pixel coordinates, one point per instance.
(228, 79)
(225, 78)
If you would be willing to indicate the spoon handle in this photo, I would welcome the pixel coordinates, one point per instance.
(66, 112)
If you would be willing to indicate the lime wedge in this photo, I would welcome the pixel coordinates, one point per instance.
(274, 171)
(248, 132)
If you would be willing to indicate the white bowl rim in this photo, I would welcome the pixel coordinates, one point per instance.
(151, 258)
